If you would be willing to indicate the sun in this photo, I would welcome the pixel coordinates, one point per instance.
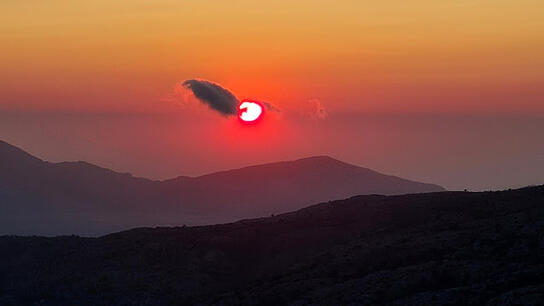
(250, 111)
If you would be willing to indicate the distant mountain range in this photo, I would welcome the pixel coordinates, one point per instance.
(39, 197)
(447, 248)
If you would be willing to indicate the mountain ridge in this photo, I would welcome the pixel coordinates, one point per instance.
(80, 197)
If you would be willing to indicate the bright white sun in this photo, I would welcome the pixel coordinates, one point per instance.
(249, 111)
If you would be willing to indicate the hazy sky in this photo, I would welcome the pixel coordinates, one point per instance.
(449, 92)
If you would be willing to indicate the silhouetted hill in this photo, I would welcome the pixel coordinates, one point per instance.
(447, 248)
(12, 156)
(279, 187)
(80, 198)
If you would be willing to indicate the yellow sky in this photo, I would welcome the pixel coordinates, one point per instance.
(423, 55)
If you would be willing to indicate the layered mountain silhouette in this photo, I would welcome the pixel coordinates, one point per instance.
(447, 248)
(39, 197)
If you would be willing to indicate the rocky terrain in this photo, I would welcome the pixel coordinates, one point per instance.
(446, 248)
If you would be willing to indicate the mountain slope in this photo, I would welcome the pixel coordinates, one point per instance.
(279, 187)
(455, 248)
(80, 198)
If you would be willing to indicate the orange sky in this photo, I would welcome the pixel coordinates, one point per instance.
(408, 56)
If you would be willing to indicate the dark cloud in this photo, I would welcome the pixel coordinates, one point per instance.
(217, 97)
(213, 95)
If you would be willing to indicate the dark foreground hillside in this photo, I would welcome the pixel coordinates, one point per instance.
(445, 248)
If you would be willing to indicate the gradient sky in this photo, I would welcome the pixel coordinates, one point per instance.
(472, 62)
(463, 56)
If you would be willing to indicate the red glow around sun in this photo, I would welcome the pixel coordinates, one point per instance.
(250, 111)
